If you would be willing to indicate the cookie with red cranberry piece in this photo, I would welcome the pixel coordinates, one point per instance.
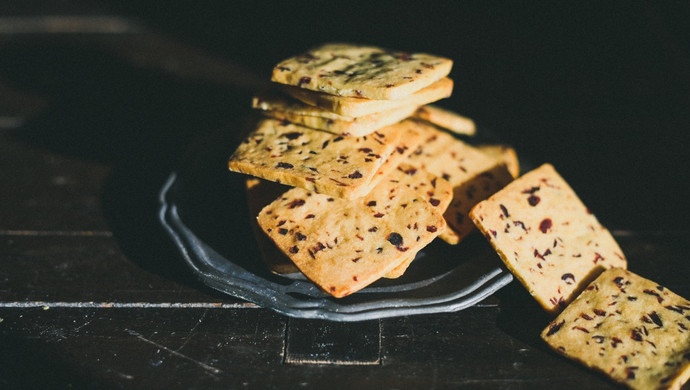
(547, 237)
(343, 69)
(473, 175)
(629, 328)
(318, 161)
(344, 245)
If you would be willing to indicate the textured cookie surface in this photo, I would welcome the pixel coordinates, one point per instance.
(319, 161)
(342, 69)
(283, 107)
(473, 175)
(355, 107)
(344, 245)
(505, 154)
(547, 237)
(629, 328)
(447, 119)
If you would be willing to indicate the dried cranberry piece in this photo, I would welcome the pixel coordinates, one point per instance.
(395, 239)
(545, 225)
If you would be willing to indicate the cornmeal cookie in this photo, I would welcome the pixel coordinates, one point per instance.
(473, 175)
(343, 245)
(629, 328)
(343, 69)
(547, 238)
(319, 161)
(356, 107)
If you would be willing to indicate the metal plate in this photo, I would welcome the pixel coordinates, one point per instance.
(203, 209)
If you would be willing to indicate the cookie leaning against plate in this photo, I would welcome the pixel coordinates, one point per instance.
(322, 162)
(370, 72)
(547, 238)
(356, 107)
(343, 245)
(629, 328)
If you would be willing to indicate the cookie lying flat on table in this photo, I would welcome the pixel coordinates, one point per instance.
(629, 328)
(473, 175)
(546, 237)
(343, 69)
(446, 119)
(285, 108)
(319, 161)
(356, 107)
(504, 154)
(344, 245)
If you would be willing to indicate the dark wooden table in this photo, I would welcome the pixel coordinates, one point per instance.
(99, 101)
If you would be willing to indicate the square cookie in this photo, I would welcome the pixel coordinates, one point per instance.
(319, 161)
(547, 238)
(369, 72)
(343, 245)
(629, 328)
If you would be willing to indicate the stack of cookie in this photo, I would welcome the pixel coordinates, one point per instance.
(374, 183)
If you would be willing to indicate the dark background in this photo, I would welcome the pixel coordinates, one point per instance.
(601, 91)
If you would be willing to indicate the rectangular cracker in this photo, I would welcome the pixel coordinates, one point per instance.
(629, 328)
(319, 161)
(504, 154)
(546, 237)
(260, 193)
(344, 245)
(282, 107)
(446, 119)
(369, 72)
(356, 107)
(473, 175)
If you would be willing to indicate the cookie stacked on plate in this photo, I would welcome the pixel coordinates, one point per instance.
(374, 181)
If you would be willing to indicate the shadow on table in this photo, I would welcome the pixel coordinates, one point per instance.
(31, 365)
(139, 121)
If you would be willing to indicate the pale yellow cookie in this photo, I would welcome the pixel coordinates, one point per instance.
(505, 154)
(319, 161)
(447, 119)
(629, 328)
(547, 238)
(356, 107)
(344, 245)
(283, 107)
(343, 69)
(473, 175)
